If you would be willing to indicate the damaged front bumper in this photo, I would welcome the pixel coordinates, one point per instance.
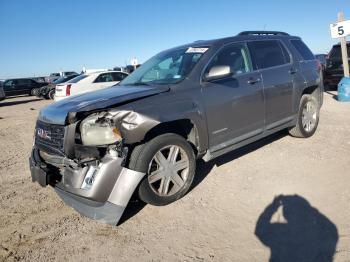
(98, 190)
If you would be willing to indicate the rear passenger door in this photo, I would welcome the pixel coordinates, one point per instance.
(277, 70)
(22, 86)
(307, 62)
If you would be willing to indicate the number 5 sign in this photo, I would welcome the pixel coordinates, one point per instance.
(340, 29)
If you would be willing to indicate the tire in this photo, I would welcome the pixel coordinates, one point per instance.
(33, 91)
(164, 187)
(51, 94)
(307, 121)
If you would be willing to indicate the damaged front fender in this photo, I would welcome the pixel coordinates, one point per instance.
(132, 125)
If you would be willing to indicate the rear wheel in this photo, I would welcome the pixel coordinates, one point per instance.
(169, 163)
(51, 94)
(308, 117)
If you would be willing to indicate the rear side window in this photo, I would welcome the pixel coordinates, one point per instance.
(104, 78)
(118, 76)
(268, 53)
(303, 50)
(285, 53)
(24, 81)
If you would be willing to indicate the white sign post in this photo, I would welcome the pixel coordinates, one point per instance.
(342, 30)
(134, 62)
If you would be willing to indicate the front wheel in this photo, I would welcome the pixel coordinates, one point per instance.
(308, 117)
(169, 163)
(34, 91)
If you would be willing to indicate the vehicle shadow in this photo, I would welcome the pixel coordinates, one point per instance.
(13, 103)
(334, 96)
(134, 206)
(203, 169)
(296, 231)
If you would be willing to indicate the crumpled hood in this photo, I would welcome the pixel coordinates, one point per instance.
(56, 113)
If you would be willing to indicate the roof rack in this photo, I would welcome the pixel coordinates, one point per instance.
(263, 33)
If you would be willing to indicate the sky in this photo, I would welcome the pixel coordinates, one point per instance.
(43, 36)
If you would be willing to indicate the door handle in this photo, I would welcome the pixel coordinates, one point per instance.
(253, 81)
(292, 71)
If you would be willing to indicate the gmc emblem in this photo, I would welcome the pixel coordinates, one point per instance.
(44, 134)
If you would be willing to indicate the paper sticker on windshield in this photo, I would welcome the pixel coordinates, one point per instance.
(197, 50)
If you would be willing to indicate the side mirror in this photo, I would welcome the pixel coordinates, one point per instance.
(217, 72)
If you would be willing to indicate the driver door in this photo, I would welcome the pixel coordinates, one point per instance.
(234, 102)
(10, 87)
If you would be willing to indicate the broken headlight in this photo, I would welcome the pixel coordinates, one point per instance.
(98, 129)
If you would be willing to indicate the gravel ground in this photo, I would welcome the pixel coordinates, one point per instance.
(221, 219)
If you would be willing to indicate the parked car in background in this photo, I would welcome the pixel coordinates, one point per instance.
(40, 79)
(87, 83)
(130, 68)
(334, 71)
(322, 58)
(48, 92)
(196, 101)
(21, 86)
(2, 93)
(55, 76)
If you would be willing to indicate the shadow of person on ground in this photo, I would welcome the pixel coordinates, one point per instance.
(301, 232)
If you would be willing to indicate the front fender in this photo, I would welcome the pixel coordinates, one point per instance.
(135, 124)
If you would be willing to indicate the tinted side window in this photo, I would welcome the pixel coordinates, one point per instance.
(118, 76)
(9, 83)
(303, 50)
(267, 53)
(285, 53)
(22, 82)
(235, 56)
(104, 78)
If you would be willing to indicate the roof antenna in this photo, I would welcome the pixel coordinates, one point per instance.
(264, 27)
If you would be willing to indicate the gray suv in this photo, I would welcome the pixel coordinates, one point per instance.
(199, 100)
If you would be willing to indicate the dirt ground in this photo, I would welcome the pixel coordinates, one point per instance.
(221, 219)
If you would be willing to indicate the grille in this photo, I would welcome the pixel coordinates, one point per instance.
(49, 137)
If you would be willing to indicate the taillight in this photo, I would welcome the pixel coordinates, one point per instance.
(68, 90)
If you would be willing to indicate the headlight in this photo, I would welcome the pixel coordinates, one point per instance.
(97, 129)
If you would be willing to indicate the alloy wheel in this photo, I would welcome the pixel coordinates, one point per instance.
(168, 170)
(309, 116)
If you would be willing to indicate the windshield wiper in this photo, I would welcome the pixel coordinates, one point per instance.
(138, 84)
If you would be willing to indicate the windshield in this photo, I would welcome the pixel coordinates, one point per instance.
(64, 79)
(60, 80)
(168, 67)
